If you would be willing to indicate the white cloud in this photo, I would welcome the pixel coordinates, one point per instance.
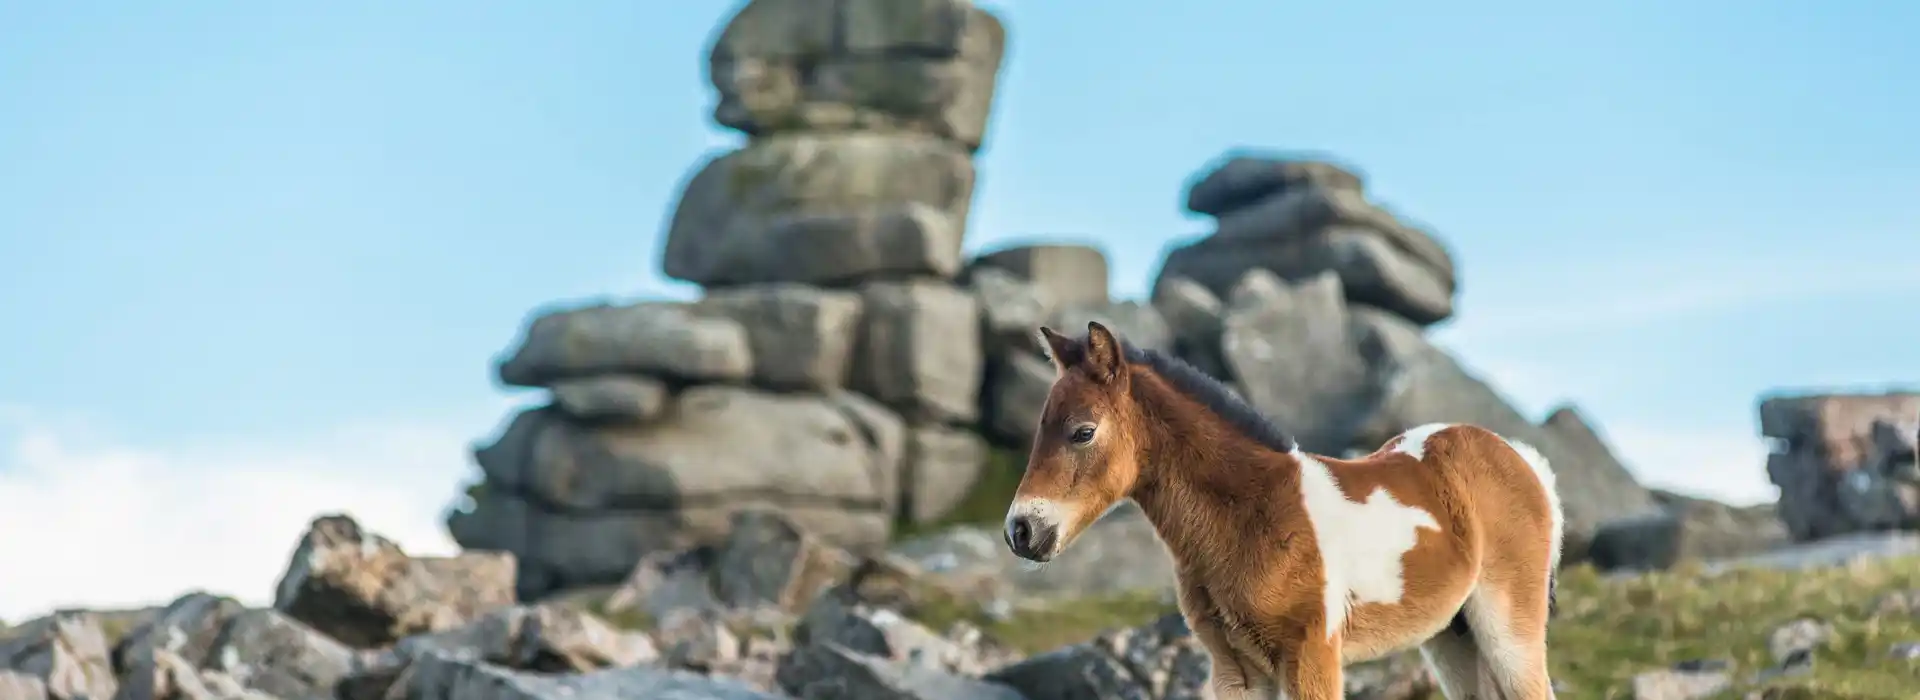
(86, 520)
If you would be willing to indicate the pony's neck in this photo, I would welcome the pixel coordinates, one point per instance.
(1194, 467)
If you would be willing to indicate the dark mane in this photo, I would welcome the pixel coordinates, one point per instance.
(1213, 394)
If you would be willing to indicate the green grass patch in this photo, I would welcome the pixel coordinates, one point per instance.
(985, 504)
(594, 599)
(1610, 630)
(1053, 625)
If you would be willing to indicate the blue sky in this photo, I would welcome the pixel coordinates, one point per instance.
(257, 257)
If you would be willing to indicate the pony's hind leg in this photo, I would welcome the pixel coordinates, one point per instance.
(1454, 659)
(1510, 632)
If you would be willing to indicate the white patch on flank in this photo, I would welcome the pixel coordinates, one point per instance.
(1360, 543)
(1544, 472)
(1413, 443)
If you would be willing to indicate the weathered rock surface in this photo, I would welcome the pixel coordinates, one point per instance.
(612, 397)
(1069, 275)
(362, 589)
(61, 656)
(919, 350)
(1298, 219)
(802, 338)
(943, 464)
(1011, 311)
(581, 503)
(826, 209)
(1844, 462)
(1293, 354)
(926, 66)
(657, 337)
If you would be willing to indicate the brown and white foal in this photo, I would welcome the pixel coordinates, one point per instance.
(1292, 564)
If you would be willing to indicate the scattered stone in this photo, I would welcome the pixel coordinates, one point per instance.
(1069, 275)
(611, 397)
(665, 338)
(275, 654)
(440, 674)
(1674, 684)
(802, 337)
(63, 656)
(832, 672)
(543, 639)
(361, 589)
(1645, 542)
(166, 650)
(767, 560)
(1798, 638)
(697, 640)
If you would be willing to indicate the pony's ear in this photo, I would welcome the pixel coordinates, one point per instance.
(1105, 361)
(1064, 351)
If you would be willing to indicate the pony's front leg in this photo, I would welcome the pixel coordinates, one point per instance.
(1310, 670)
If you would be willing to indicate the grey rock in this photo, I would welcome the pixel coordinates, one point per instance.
(666, 338)
(1646, 542)
(919, 350)
(612, 397)
(62, 656)
(943, 465)
(884, 634)
(362, 589)
(722, 443)
(440, 674)
(1371, 269)
(1292, 352)
(698, 640)
(832, 672)
(544, 639)
(1194, 316)
(1838, 470)
(1011, 311)
(1017, 394)
(570, 550)
(504, 461)
(277, 655)
(1119, 553)
(926, 65)
(1138, 324)
(823, 209)
(1070, 275)
(767, 560)
(1800, 637)
(802, 337)
(166, 651)
(1672, 684)
(1244, 179)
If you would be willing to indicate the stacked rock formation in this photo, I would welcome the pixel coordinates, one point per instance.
(1299, 217)
(1844, 462)
(1312, 302)
(831, 369)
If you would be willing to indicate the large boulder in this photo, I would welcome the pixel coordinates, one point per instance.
(1298, 218)
(1292, 353)
(657, 337)
(64, 655)
(919, 350)
(1843, 461)
(1244, 178)
(1071, 275)
(927, 66)
(581, 503)
(823, 209)
(802, 337)
(362, 589)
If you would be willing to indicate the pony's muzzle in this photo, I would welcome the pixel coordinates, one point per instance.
(1031, 538)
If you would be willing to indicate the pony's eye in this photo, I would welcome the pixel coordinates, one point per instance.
(1083, 435)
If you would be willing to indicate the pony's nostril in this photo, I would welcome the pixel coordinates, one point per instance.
(1020, 534)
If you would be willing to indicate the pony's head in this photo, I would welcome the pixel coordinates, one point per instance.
(1086, 447)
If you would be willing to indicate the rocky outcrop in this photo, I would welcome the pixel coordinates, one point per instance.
(831, 370)
(1844, 462)
(1299, 217)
